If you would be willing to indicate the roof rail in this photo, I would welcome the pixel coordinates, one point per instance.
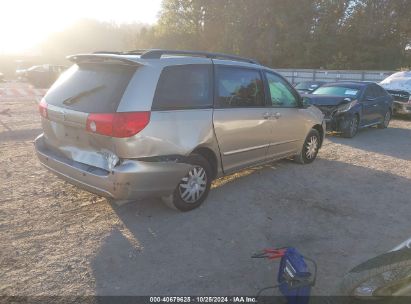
(157, 53)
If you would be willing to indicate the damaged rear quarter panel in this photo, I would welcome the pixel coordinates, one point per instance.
(176, 132)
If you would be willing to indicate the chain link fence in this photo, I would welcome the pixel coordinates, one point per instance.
(299, 75)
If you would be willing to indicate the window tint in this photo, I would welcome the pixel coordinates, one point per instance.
(91, 87)
(371, 92)
(280, 92)
(380, 92)
(184, 87)
(239, 87)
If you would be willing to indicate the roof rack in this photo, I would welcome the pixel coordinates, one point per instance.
(108, 52)
(157, 53)
(134, 52)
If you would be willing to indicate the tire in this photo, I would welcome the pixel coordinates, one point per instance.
(391, 270)
(199, 176)
(352, 129)
(310, 148)
(387, 118)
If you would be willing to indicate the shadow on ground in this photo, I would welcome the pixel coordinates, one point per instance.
(372, 139)
(207, 251)
(19, 135)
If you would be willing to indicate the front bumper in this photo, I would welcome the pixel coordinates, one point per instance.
(131, 179)
(402, 108)
(338, 122)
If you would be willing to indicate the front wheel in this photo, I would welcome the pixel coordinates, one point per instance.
(193, 189)
(352, 129)
(310, 148)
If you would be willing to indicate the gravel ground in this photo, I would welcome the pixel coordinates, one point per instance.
(351, 204)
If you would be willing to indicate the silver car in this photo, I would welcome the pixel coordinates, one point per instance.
(166, 123)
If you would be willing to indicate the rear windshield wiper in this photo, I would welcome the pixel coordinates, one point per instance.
(75, 98)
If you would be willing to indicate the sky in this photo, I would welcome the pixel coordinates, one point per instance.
(25, 23)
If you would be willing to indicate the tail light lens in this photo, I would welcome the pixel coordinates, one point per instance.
(43, 108)
(117, 124)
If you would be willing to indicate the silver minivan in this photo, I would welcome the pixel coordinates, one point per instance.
(166, 123)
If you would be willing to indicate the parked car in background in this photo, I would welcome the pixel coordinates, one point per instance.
(307, 87)
(143, 124)
(41, 76)
(399, 86)
(348, 106)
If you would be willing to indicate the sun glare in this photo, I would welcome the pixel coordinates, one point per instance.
(25, 23)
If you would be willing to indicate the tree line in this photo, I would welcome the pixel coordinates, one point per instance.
(329, 34)
(332, 34)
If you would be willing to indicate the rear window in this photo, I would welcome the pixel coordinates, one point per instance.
(91, 87)
(184, 87)
(380, 91)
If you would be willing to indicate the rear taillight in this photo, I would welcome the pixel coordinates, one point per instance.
(117, 124)
(43, 108)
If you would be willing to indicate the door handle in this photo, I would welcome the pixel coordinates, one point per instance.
(266, 115)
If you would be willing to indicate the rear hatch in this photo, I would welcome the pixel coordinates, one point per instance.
(91, 88)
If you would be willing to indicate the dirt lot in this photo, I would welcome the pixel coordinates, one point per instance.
(349, 205)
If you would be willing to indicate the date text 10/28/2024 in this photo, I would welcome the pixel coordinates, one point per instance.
(205, 299)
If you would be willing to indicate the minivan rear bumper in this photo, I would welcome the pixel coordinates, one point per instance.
(131, 179)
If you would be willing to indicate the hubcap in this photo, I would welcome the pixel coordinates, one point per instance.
(391, 282)
(193, 186)
(311, 148)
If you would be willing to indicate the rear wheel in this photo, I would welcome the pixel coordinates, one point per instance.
(310, 148)
(387, 118)
(352, 129)
(193, 189)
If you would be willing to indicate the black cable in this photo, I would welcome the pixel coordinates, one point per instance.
(266, 288)
(315, 268)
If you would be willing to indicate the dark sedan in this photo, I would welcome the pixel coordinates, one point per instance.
(348, 106)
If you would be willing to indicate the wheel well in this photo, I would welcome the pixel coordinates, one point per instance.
(209, 155)
(320, 130)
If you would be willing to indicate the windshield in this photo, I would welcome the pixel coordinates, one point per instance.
(91, 87)
(337, 91)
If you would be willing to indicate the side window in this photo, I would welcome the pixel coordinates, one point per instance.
(370, 92)
(280, 92)
(184, 87)
(238, 87)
